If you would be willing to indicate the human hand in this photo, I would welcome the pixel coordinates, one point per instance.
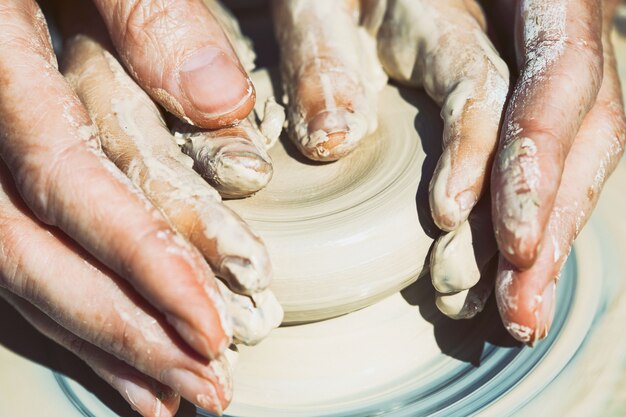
(557, 102)
(441, 46)
(110, 272)
(562, 136)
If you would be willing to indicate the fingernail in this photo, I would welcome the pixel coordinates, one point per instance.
(213, 82)
(330, 121)
(331, 134)
(242, 275)
(200, 391)
(546, 314)
(197, 340)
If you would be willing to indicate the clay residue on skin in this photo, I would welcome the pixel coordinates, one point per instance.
(348, 77)
(503, 290)
(234, 160)
(419, 45)
(139, 143)
(544, 42)
(446, 210)
(272, 121)
(518, 198)
(544, 36)
(453, 265)
(253, 316)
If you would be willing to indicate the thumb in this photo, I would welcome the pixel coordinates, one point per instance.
(179, 53)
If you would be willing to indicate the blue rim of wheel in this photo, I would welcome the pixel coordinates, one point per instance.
(466, 389)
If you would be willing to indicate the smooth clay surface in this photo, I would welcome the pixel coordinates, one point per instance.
(344, 235)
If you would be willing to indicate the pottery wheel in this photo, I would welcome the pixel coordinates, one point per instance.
(344, 235)
(359, 236)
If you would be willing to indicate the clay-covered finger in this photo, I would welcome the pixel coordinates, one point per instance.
(526, 298)
(330, 73)
(145, 395)
(98, 307)
(179, 53)
(443, 47)
(459, 258)
(232, 159)
(254, 316)
(560, 59)
(136, 139)
(52, 150)
(466, 304)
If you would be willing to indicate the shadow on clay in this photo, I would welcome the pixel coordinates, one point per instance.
(463, 340)
(429, 126)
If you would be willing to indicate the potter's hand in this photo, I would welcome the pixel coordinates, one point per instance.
(123, 290)
(561, 138)
(192, 59)
(330, 75)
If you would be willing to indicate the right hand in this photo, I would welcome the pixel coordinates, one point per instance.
(92, 261)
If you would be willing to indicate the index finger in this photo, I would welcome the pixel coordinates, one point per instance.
(561, 73)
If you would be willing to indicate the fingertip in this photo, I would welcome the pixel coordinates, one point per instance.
(241, 174)
(450, 212)
(449, 207)
(453, 264)
(246, 276)
(169, 403)
(205, 390)
(333, 134)
(526, 310)
(460, 305)
(254, 316)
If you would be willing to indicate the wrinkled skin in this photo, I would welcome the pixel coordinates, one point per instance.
(88, 257)
(97, 267)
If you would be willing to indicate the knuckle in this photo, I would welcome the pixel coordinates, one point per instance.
(135, 253)
(40, 173)
(145, 17)
(588, 54)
